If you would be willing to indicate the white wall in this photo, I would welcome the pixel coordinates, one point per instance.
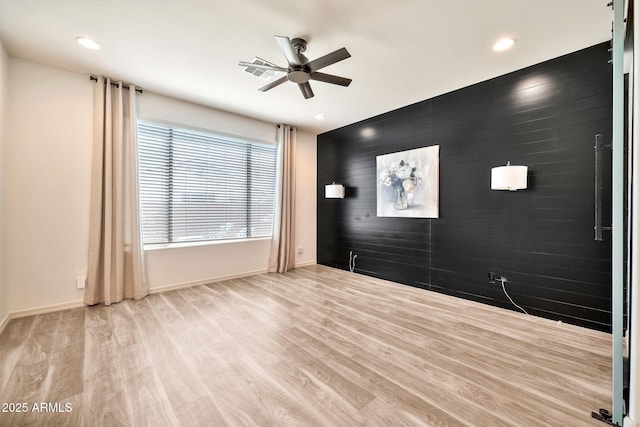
(4, 84)
(306, 177)
(47, 180)
(46, 184)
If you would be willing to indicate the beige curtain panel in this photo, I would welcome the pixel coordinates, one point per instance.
(116, 264)
(282, 254)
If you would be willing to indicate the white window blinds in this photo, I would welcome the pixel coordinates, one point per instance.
(197, 186)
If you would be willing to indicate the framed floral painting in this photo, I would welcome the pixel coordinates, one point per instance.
(408, 183)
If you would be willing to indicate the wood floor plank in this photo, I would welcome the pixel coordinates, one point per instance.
(260, 360)
(283, 400)
(383, 387)
(237, 406)
(381, 413)
(149, 402)
(69, 414)
(11, 345)
(65, 374)
(434, 385)
(444, 343)
(519, 327)
(30, 378)
(180, 382)
(420, 326)
(105, 397)
(243, 402)
(313, 347)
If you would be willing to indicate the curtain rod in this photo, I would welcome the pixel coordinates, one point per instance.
(94, 78)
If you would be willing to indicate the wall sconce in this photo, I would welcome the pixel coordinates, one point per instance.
(509, 177)
(334, 191)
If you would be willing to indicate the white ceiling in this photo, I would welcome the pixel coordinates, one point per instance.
(403, 51)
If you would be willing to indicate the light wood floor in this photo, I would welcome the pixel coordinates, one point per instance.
(313, 347)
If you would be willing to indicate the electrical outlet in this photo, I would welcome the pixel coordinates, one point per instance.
(492, 277)
(300, 250)
(81, 279)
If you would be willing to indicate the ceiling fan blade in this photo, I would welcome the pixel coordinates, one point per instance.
(305, 88)
(273, 84)
(262, 67)
(328, 59)
(288, 50)
(329, 78)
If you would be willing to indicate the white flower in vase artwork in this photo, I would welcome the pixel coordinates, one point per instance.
(408, 183)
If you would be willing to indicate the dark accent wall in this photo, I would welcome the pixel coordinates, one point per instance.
(541, 239)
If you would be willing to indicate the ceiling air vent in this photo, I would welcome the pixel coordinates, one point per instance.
(260, 73)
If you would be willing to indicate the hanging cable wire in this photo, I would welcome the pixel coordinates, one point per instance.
(502, 280)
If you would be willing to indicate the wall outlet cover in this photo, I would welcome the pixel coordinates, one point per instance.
(81, 280)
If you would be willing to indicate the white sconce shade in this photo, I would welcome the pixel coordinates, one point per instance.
(334, 191)
(509, 177)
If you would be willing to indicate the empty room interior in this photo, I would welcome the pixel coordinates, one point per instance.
(320, 213)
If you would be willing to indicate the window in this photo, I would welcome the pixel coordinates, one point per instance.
(197, 186)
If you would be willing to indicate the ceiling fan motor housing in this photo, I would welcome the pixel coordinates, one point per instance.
(298, 75)
(300, 45)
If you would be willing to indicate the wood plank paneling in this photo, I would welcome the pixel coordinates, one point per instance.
(541, 239)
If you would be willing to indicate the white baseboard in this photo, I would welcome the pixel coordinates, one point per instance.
(77, 304)
(628, 422)
(38, 310)
(4, 322)
(46, 309)
(167, 288)
(305, 264)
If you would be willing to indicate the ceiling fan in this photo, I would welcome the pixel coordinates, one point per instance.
(300, 70)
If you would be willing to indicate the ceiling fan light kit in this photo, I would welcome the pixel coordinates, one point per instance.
(300, 70)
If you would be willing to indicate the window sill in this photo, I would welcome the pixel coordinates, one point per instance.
(154, 247)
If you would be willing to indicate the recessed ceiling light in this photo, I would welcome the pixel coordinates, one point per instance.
(503, 44)
(88, 43)
(319, 117)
